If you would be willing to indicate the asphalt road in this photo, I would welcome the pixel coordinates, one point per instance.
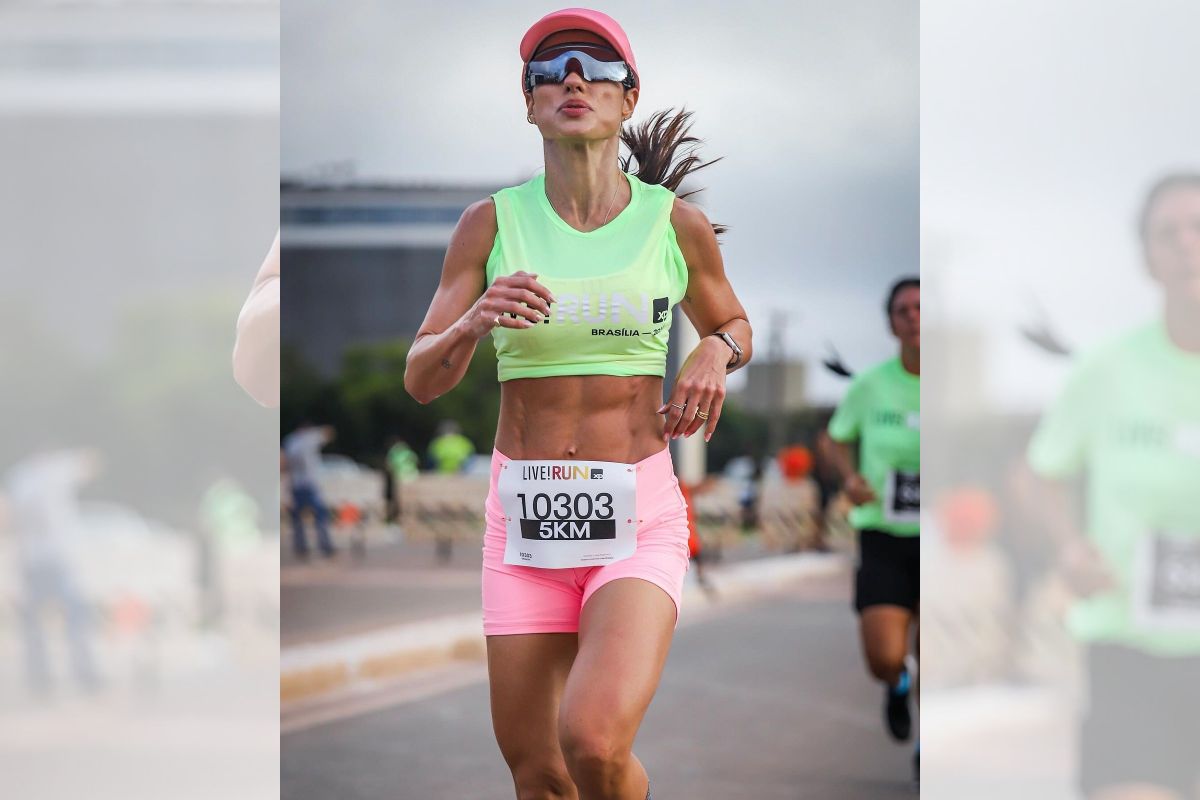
(762, 700)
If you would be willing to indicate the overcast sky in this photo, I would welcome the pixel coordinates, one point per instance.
(1042, 126)
(814, 106)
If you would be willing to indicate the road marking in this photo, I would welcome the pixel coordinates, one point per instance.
(367, 698)
(376, 576)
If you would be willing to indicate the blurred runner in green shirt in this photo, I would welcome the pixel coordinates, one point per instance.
(402, 461)
(878, 427)
(402, 468)
(1128, 424)
(450, 449)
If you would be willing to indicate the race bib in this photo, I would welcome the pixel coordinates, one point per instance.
(561, 514)
(1166, 583)
(902, 497)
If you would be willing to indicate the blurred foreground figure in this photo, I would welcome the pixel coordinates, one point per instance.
(1128, 422)
(256, 351)
(43, 513)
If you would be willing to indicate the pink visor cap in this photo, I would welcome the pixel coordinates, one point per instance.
(579, 19)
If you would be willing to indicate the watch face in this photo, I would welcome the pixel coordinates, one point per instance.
(737, 351)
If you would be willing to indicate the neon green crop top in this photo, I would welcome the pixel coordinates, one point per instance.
(615, 285)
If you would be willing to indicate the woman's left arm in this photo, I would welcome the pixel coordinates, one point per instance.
(712, 307)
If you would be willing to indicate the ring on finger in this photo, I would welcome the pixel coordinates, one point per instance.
(676, 405)
(702, 414)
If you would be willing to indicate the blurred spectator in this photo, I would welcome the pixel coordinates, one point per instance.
(228, 524)
(302, 452)
(748, 499)
(43, 514)
(402, 468)
(450, 449)
(695, 546)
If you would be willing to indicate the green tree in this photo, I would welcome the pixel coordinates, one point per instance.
(368, 405)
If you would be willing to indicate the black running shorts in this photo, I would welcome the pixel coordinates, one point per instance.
(889, 570)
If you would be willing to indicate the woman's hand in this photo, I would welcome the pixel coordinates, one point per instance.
(518, 294)
(699, 391)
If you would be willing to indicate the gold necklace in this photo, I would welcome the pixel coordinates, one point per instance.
(611, 203)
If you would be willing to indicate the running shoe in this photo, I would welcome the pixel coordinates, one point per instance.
(896, 711)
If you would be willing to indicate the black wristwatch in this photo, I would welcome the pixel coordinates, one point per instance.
(737, 351)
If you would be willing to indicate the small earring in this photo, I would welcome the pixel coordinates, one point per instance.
(529, 118)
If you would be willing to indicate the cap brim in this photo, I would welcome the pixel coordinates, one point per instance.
(582, 20)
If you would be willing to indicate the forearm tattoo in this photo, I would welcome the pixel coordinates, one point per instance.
(446, 363)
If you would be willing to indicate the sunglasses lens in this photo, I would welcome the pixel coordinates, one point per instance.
(556, 69)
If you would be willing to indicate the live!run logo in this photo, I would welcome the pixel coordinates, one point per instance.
(613, 308)
(564, 472)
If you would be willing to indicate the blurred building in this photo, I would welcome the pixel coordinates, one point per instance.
(954, 381)
(362, 261)
(142, 151)
(774, 386)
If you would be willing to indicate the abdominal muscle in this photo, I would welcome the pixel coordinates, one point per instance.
(586, 417)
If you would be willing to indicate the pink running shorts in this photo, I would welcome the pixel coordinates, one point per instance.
(520, 599)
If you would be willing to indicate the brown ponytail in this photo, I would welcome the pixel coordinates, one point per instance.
(665, 153)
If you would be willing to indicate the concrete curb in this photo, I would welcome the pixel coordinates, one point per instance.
(310, 671)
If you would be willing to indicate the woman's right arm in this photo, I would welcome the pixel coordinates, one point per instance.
(464, 310)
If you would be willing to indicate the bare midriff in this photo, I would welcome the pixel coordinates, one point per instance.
(586, 417)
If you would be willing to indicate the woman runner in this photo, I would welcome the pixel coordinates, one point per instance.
(574, 274)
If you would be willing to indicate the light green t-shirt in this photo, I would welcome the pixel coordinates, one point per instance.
(615, 286)
(882, 412)
(1129, 420)
(402, 461)
(449, 451)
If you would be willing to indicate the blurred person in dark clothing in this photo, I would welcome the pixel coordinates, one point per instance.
(302, 452)
(749, 497)
(42, 511)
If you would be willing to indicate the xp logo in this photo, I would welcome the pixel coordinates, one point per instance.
(614, 308)
(660, 310)
(597, 474)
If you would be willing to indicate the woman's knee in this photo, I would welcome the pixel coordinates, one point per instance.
(539, 779)
(593, 751)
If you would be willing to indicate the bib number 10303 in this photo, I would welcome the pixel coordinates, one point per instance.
(574, 514)
(567, 516)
